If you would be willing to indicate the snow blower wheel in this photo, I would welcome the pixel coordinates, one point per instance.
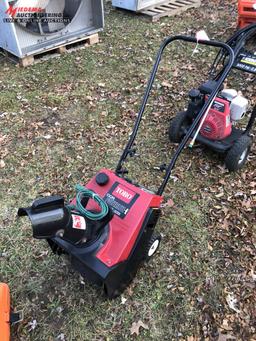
(153, 246)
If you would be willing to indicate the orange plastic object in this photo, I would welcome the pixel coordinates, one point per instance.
(243, 22)
(247, 8)
(5, 310)
(246, 12)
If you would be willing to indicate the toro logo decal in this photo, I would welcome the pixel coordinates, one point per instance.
(124, 194)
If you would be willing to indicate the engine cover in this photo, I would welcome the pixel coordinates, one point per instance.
(217, 125)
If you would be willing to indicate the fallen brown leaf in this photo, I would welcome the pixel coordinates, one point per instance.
(135, 328)
(166, 84)
(225, 337)
(170, 203)
(2, 164)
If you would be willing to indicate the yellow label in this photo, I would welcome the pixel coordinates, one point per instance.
(250, 62)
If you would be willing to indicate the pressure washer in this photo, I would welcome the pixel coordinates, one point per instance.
(218, 129)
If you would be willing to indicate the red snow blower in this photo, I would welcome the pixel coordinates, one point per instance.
(108, 230)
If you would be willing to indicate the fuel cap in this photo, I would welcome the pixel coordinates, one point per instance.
(102, 179)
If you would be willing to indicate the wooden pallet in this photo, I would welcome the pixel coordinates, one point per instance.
(169, 8)
(54, 51)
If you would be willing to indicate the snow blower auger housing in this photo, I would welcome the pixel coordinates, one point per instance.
(108, 229)
(218, 129)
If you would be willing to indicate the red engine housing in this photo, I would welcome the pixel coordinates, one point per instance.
(130, 205)
(217, 125)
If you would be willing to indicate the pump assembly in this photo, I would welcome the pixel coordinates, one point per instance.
(108, 229)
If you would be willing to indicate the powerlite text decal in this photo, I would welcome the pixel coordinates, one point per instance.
(120, 199)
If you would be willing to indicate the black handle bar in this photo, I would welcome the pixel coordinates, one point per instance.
(199, 116)
(236, 42)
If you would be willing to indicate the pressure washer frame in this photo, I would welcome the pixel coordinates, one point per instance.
(236, 42)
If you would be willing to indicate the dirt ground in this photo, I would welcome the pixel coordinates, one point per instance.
(61, 121)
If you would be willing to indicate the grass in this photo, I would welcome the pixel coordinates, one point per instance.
(66, 118)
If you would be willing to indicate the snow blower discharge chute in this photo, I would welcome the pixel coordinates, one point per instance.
(108, 229)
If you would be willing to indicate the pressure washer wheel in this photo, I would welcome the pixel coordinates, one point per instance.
(178, 126)
(237, 155)
(153, 245)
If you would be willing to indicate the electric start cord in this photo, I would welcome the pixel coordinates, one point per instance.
(81, 193)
